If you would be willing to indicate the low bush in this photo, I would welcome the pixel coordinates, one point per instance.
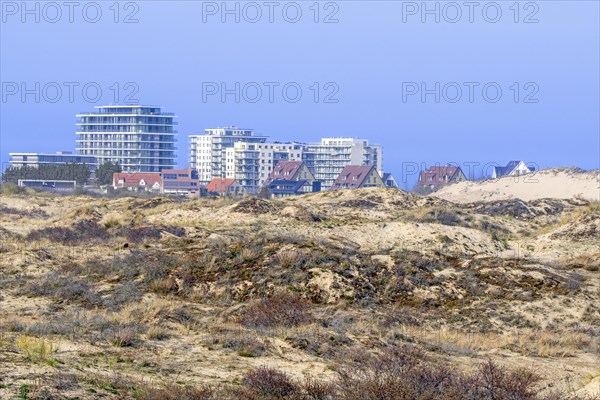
(84, 231)
(270, 383)
(283, 309)
(63, 287)
(123, 336)
(245, 346)
(35, 349)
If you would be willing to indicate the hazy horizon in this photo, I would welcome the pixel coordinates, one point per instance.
(362, 68)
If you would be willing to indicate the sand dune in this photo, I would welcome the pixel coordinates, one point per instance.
(564, 183)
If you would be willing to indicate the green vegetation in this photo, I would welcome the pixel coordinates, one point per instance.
(66, 172)
(105, 172)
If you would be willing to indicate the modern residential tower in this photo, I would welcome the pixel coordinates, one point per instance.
(207, 151)
(139, 138)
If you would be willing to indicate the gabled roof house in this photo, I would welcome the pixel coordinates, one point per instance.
(291, 171)
(436, 177)
(389, 181)
(290, 178)
(224, 187)
(513, 168)
(137, 181)
(358, 176)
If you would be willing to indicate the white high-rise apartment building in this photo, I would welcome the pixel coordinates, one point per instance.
(207, 151)
(251, 163)
(139, 138)
(327, 159)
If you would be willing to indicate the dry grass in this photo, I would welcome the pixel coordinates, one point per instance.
(528, 342)
(165, 314)
(288, 258)
(589, 262)
(35, 349)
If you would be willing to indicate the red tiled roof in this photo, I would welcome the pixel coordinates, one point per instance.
(285, 170)
(134, 179)
(353, 175)
(219, 185)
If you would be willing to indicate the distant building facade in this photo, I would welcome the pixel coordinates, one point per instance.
(207, 151)
(250, 164)
(327, 159)
(513, 168)
(358, 176)
(51, 185)
(180, 181)
(139, 138)
(436, 177)
(249, 159)
(18, 160)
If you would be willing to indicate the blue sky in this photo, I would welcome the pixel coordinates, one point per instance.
(375, 61)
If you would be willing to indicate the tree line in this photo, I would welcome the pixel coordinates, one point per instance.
(77, 172)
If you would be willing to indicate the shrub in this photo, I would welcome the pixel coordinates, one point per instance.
(123, 335)
(402, 373)
(289, 258)
(163, 286)
(36, 350)
(494, 382)
(84, 231)
(11, 188)
(63, 287)
(12, 325)
(121, 295)
(282, 309)
(245, 346)
(270, 383)
(318, 390)
(157, 333)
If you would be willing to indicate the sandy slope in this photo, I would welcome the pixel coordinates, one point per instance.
(551, 183)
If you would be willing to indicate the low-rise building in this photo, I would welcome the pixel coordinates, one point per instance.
(137, 181)
(180, 181)
(513, 168)
(436, 177)
(18, 160)
(358, 176)
(224, 187)
(52, 185)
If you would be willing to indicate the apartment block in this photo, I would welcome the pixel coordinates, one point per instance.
(327, 159)
(236, 153)
(139, 138)
(207, 151)
(250, 164)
